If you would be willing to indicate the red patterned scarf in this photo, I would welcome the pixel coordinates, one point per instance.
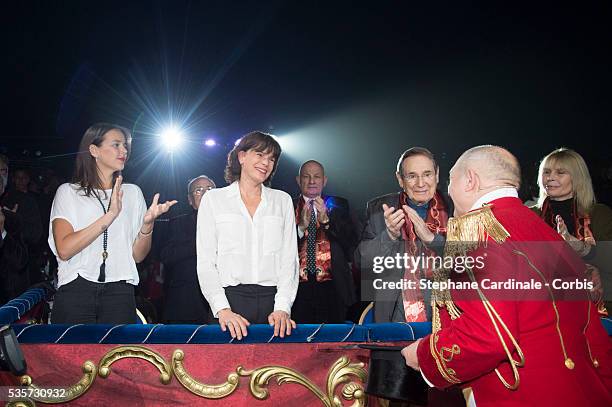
(436, 220)
(323, 252)
(582, 222)
(583, 232)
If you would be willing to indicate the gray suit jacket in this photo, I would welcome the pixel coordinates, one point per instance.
(375, 242)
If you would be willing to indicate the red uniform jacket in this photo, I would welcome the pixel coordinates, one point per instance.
(467, 350)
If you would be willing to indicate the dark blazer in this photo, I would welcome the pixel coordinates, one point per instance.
(13, 259)
(28, 213)
(375, 241)
(342, 238)
(183, 299)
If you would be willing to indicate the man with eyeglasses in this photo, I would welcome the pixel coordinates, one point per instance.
(183, 299)
(411, 222)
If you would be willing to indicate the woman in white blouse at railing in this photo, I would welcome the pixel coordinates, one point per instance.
(247, 244)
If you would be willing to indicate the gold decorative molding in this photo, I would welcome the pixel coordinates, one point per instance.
(339, 373)
(21, 403)
(67, 394)
(137, 352)
(200, 389)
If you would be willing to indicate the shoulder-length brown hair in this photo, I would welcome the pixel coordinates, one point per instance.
(258, 141)
(574, 164)
(86, 173)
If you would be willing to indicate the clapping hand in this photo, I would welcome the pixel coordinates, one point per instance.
(305, 218)
(394, 220)
(116, 198)
(580, 247)
(319, 205)
(420, 227)
(593, 275)
(156, 209)
(3, 218)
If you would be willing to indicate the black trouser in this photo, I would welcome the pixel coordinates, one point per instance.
(318, 303)
(185, 304)
(85, 302)
(252, 301)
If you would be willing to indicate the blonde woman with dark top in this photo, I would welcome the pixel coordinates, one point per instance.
(567, 203)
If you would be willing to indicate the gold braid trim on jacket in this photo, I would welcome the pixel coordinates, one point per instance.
(464, 234)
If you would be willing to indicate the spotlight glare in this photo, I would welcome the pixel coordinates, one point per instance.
(172, 137)
(210, 142)
(237, 141)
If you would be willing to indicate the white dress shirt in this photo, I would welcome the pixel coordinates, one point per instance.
(301, 232)
(234, 248)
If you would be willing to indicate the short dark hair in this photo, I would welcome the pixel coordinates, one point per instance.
(4, 159)
(86, 173)
(258, 141)
(411, 152)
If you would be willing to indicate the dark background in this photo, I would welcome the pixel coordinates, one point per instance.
(350, 84)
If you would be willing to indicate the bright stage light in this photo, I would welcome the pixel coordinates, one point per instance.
(210, 142)
(172, 138)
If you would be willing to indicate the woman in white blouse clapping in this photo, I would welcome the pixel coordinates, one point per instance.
(99, 229)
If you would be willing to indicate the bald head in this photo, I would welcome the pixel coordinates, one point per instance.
(480, 170)
(311, 179)
(492, 163)
(311, 163)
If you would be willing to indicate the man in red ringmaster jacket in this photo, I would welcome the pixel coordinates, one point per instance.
(517, 328)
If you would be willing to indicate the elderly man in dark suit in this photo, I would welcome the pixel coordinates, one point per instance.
(13, 256)
(410, 224)
(326, 240)
(184, 302)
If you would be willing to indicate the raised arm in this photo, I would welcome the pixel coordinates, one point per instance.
(69, 242)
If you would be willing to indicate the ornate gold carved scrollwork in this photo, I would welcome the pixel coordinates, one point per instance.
(200, 389)
(339, 373)
(67, 394)
(21, 403)
(138, 352)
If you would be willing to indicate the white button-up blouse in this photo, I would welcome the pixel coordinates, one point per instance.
(234, 248)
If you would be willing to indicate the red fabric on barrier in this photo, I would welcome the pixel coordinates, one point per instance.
(136, 382)
(34, 313)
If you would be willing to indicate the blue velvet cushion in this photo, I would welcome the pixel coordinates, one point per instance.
(134, 334)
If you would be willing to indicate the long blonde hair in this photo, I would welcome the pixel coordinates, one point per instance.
(582, 186)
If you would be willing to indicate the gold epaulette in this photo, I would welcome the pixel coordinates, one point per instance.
(472, 230)
(464, 233)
